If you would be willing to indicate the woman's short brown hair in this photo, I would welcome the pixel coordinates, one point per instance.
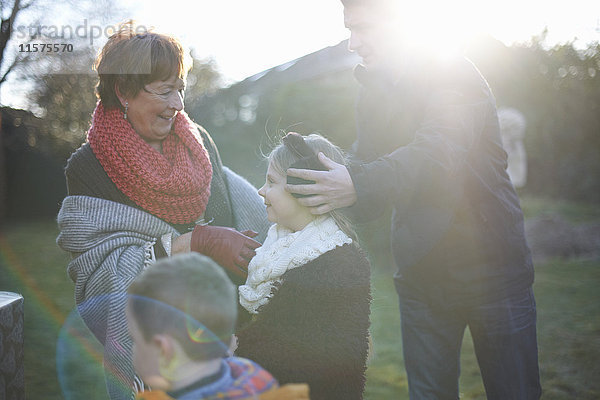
(133, 58)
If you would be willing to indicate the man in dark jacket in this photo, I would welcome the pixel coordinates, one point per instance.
(429, 145)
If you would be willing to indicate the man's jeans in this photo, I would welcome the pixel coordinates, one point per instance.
(504, 335)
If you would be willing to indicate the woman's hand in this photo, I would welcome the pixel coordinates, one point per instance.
(233, 250)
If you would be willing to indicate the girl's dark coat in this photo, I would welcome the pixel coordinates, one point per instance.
(315, 327)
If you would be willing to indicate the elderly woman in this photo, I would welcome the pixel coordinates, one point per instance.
(148, 183)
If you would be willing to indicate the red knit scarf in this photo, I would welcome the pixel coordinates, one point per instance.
(174, 185)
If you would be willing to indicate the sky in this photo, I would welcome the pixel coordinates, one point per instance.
(249, 36)
(245, 37)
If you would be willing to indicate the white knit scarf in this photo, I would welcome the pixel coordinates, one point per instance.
(284, 250)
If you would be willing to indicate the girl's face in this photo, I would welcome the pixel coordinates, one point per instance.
(282, 207)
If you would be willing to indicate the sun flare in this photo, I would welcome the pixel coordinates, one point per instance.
(440, 27)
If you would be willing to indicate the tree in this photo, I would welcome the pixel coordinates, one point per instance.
(9, 13)
(21, 28)
(26, 22)
(7, 20)
(203, 79)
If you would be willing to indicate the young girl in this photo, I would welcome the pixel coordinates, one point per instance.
(308, 287)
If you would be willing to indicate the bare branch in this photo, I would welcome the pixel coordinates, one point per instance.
(15, 11)
(6, 31)
(24, 6)
(18, 62)
(6, 28)
(4, 76)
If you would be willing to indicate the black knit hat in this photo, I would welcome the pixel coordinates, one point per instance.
(295, 143)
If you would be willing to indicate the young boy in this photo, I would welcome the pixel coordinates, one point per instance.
(181, 314)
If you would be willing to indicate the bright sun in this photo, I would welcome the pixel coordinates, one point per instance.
(447, 25)
(440, 26)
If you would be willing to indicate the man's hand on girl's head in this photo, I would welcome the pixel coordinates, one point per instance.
(332, 189)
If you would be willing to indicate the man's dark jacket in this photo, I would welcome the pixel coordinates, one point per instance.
(429, 145)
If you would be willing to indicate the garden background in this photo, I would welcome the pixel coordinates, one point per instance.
(556, 88)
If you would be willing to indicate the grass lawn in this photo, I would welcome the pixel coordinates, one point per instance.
(567, 296)
(568, 306)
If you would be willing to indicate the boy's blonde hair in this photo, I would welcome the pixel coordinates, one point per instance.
(281, 158)
(189, 297)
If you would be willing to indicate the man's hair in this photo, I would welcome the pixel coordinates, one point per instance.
(189, 297)
(133, 58)
(281, 158)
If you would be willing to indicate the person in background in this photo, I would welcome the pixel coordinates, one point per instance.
(148, 183)
(428, 145)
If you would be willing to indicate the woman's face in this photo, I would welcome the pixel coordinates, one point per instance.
(282, 207)
(152, 111)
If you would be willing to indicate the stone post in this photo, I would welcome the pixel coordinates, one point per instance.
(12, 380)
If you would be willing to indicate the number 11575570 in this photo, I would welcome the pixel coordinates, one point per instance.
(45, 48)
